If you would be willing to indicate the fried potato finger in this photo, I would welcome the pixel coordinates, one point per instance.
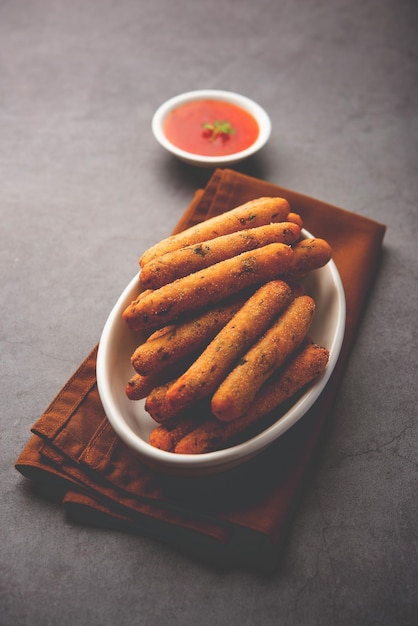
(304, 367)
(172, 265)
(208, 286)
(235, 338)
(162, 349)
(249, 215)
(309, 254)
(237, 391)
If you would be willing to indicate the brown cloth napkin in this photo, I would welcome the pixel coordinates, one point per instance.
(238, 518)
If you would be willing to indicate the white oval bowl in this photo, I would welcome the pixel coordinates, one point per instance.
(263, 121)
(133, 424)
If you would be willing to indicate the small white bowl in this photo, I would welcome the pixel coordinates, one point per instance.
(133, 424)
(245, 103)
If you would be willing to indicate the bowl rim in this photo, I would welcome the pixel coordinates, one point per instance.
(218, 460)
(261, 116)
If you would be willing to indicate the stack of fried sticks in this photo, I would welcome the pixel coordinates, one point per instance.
(226, 321)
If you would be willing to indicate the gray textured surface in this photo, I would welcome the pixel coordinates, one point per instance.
(84, 188)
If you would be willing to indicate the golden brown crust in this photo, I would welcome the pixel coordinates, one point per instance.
(309, 254)
(167, 435)
(211, 344)
(304, 367)
(142, 385)
(172, 265)
(179, 340)
(244, 328)
(208, 286)
(237, 391)
(156, 404)
(296, 218)
(249, 215)
(138, 387)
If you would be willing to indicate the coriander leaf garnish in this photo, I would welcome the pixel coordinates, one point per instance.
(218, 128)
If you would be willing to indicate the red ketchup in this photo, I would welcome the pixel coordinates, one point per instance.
(211, 127)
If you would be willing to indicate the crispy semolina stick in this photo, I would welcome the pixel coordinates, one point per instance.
(144, 293)
(296, 218)
(172, 265)
(157, 334)
(235, 394)
(208, 286)
(179, 340)
(246, 326)
(167, 435)
(306, 365)
(140, 386)
(309, 254)
(156, 404)
(249, 215)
